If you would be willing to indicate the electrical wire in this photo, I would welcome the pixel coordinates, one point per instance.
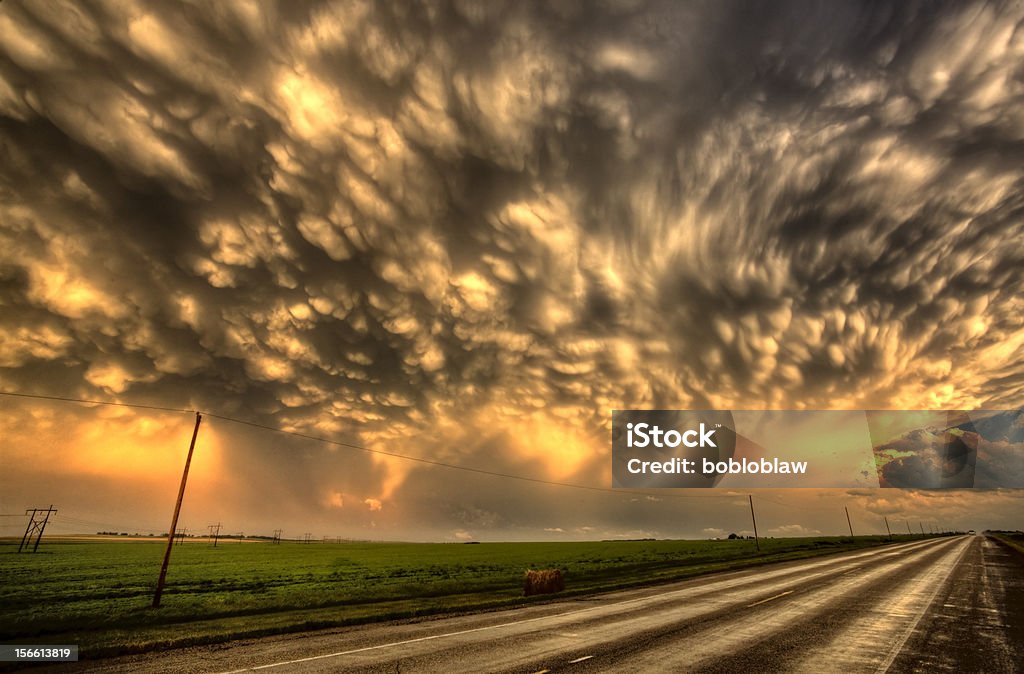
(68, 520)
(347, 445)
(453, 466)
(93, 402)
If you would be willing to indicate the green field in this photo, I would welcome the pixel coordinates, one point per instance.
(1011, 539)
(97, 593)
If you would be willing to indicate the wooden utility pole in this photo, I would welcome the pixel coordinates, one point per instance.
(908, 528)
(887, 527)
(214, 532)
(920, 524)
(174, 518)
(754, 520)
(848, 520)
(35, 527)
(277, 536)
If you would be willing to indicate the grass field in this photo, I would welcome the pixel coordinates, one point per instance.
(1011, 539)
(97, 593)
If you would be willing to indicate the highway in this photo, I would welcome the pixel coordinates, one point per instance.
(939, 605)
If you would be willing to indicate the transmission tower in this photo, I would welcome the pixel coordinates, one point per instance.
(36, 524)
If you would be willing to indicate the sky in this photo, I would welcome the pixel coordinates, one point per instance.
(466, 232)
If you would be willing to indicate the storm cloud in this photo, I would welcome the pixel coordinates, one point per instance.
(470, 230)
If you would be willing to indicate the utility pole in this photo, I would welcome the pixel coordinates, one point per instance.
(214, 532)
(277, 536)
(181, 536)
(35, 527)
(174, 518)
(887, 527)
(305, 537)
(754, 520)
(908, 528)
(922, 527)
(848, 520)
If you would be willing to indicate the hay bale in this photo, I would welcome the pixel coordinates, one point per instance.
(543, 581)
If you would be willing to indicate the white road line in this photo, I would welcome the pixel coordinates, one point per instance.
(783, 594)
(433, 637)
(865, 641)
(939, 584)
(408, 641)
(705, 642)
(585, 657)
(753, 577)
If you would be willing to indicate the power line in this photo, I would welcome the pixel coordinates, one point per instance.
(454, 466)
(80, 522)
(94, 402)
(347, 445)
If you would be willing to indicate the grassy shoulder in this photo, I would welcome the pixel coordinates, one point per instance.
(97, 594)
(1011, 539)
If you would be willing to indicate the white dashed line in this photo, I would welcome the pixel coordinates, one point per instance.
(783, 594)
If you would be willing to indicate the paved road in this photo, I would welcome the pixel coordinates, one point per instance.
(952, 604)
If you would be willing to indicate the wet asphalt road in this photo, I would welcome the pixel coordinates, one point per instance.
(941, 605)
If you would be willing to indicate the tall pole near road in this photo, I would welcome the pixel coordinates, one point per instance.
(754, 520)
(174, 518)
(848, 520)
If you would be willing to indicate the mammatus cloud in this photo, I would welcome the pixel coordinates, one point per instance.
(469, 231)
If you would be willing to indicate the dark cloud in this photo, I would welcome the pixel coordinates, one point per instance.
(376, 221)
(955, 450)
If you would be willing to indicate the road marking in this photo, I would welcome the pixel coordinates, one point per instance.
(770, 598)
(429, 638)
(939, 584)
(736, 575)
(585, 657)
(543, 671)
